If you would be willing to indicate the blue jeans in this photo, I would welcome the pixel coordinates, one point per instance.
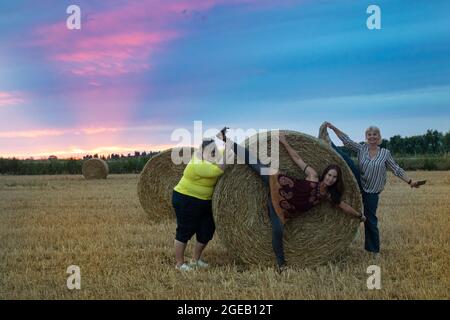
(370, 202)
(351, 164)
(277, 226)
(372, 236)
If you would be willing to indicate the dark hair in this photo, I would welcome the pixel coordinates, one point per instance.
(337, 189)
(205, 144)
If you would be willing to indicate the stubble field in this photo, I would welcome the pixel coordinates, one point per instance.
(48, 223)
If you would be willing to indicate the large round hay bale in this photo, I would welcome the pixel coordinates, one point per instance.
(241, 215)
(95, 169)
(157, 180)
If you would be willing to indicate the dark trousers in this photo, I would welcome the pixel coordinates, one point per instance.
(372, 236)
(370, 202)
(277, 226)
(194, 216)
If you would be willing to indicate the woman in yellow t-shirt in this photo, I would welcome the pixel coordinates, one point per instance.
(192, 203)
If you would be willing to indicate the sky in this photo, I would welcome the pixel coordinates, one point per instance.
(138, 70)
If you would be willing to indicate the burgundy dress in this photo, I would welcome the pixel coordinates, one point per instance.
(292, 197)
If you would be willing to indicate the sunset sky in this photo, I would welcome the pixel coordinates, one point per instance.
(137, 70)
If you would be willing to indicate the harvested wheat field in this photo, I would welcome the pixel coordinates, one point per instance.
(48, 223)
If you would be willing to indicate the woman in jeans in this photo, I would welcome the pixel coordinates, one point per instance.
(291, 197)
(373, 162)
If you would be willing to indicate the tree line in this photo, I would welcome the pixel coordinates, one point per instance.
(117, 164)
(422, 152)
(431, 143)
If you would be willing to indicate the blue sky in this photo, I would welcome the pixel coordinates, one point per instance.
(137, 70)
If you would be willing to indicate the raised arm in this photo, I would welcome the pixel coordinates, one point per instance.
(310, 173)
(349, 143)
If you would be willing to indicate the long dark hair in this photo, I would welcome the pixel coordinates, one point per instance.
(337, 189)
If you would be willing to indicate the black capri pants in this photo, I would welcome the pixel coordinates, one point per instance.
(194, 216)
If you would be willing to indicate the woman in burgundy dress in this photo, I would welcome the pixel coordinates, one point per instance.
(291, 197)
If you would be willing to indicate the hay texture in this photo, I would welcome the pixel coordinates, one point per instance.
(318, 236)
(157, 180)
(95, 169)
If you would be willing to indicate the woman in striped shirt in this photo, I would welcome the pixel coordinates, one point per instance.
(373, 163)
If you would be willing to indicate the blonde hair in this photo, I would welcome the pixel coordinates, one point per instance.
(374, 129)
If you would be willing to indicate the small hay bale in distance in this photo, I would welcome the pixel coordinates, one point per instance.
(95, 169)
(318, 236)
(157, 180)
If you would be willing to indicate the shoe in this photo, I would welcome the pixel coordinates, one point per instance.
(323, 134)
(198, 264)
(184, 267)
(282, 268)
(376, 257)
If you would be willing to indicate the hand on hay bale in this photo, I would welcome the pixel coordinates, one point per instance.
(242, 219)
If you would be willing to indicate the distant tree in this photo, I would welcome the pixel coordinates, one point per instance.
(446, 140)
(395, 144)
(384, 143)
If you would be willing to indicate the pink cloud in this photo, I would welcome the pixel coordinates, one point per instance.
(77, 131)
(122, 40)
(77, 142)
(111, 43)
(99, 130)
(31, 133)
(79, 152)
(112, 55)
(10, 99)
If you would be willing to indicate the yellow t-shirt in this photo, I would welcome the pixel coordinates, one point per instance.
(199, 179)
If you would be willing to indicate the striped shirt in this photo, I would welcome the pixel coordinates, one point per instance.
(373, 171)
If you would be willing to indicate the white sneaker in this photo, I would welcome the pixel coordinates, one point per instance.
(199, 264)
(184, 267)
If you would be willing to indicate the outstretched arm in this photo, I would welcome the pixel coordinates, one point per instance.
(399, 172)
(349, 143)
(310, 173)
(349, 209)
(250, 159)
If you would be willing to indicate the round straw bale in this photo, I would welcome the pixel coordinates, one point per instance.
(157, 180)
(241, 214)
(95, 169)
